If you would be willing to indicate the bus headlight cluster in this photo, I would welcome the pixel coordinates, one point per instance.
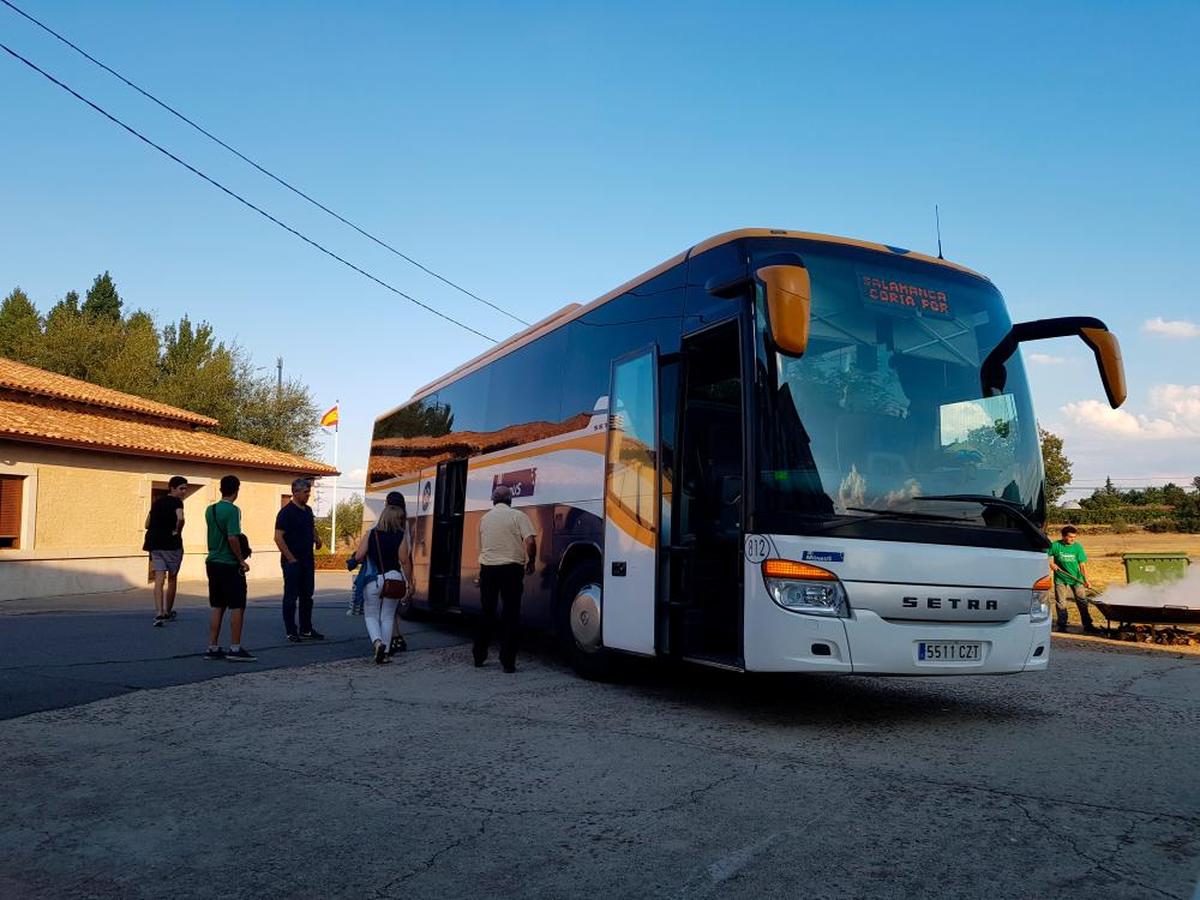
(804, 588)
(1039, 606)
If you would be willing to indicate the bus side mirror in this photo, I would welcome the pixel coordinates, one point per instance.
(1107, 351)
(1093, 332)
(789, 303)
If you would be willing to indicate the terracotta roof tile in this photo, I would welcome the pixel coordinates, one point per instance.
(29, 379)
(43, 421)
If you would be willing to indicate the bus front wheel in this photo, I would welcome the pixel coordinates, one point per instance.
(580, 609)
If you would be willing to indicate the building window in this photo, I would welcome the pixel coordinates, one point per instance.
(11, 489)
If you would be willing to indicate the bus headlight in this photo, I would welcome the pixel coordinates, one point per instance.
(804, 588)
(1039, 606)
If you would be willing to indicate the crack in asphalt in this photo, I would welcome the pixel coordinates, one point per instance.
(428, 863)
(775, 756)
(1097, 864)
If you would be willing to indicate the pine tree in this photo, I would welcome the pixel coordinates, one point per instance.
(103, 301)
(20, 327)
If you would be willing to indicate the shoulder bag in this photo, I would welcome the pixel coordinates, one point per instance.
(243, 543)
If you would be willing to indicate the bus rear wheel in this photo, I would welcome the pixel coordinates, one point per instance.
(580, 609)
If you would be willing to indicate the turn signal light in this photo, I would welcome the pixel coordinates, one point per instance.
(1044, 583)
(786, 568)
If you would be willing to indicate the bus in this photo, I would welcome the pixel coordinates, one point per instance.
(776, 451)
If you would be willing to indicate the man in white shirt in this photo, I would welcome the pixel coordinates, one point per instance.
(507, 550)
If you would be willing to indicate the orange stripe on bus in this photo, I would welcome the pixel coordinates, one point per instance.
(616, 513)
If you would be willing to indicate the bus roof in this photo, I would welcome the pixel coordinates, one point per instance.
(575, 310)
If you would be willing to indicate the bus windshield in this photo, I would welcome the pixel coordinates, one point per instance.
(883, 417)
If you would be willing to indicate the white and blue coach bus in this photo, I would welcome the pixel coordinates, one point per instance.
(777, 451)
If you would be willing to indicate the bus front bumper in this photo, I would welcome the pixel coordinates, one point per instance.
(880, 646)
(781, 641)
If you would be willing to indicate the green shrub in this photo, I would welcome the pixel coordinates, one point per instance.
(1108, 515)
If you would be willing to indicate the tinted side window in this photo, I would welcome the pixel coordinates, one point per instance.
(466, 402)
(648, 314)
(526, 385)
(702, 307)
(403, 440)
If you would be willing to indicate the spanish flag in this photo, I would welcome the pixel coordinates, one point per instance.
(330, 418)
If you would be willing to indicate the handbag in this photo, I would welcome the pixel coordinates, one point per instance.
(394, 587)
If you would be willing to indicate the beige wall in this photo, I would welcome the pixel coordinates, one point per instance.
(83, 515)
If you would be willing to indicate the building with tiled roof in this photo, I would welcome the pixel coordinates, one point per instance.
(80, 465)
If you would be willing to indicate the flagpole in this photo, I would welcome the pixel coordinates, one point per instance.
(333, 518)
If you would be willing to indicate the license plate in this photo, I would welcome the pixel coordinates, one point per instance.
(949, 651)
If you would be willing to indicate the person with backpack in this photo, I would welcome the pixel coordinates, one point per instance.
(227, 567)
(164, 543)
(385, 549)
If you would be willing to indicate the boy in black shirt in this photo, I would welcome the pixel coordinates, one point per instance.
(164, 541)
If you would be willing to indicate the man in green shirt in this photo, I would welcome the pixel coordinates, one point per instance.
(1070, 578)
(227, 568)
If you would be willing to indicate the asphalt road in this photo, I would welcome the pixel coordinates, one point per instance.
(430, 778)
(71, 650)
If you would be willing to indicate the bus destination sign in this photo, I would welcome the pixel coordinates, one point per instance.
(905, 296)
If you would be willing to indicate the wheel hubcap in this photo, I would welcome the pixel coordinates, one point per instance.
(585, 618)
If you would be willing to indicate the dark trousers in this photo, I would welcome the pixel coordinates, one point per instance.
(298, 586)
(500, 583)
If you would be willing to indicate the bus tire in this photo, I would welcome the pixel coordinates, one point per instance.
(579, 610)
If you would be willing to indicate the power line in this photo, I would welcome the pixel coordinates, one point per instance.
(239, 197)
(264, 171)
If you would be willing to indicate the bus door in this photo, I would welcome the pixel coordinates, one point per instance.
(631, 505)
(705, 592)
(421, 521)
(445, 558)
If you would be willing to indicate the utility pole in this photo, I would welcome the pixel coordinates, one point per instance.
(279, 379)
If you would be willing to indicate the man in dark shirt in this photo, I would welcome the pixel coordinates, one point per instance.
(295, 536)
(164, 542)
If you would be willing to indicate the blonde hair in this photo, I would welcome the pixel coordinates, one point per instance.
(393, 518)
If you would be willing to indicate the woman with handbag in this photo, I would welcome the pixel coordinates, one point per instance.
(388, 552)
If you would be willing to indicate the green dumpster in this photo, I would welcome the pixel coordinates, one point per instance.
(1153, 568)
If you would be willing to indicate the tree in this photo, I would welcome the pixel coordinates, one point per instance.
(78, 345)
(1196, 484)
(198, 373)
(280, 419)
(1058, 467)
(20, 327)
(68, 305)
(1173, 494)
(103, 301)
(182, 365)
(349, 523)
(134, 366)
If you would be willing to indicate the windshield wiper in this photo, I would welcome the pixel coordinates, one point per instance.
(903, 514)
(1015, 509)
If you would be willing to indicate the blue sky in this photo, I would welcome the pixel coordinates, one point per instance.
(542, 153)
